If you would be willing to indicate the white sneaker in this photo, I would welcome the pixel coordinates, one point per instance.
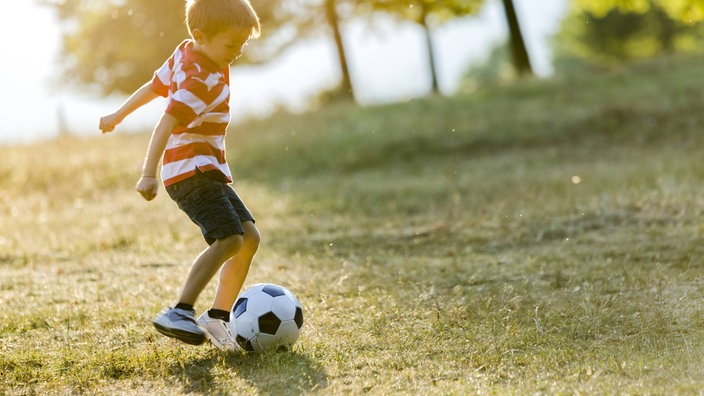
(218, 332)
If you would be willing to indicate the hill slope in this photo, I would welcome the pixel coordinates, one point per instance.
(539, 238)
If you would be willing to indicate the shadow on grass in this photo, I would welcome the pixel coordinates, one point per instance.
(270, 373)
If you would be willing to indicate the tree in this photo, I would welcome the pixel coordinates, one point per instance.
(346, 89)
(609, 32)
(687, 11)
(519, 53)
(110, 45)
(426, 13)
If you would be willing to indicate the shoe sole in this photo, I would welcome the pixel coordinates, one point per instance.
(214, 342)
(185, 336)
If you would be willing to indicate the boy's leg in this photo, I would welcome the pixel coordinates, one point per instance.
(181, 323)
(218, 211)
(232, 277)
(206, 266)
(234, 271)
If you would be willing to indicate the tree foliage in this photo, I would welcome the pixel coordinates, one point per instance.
(608, 32)
(284, 22)
(687, 11)
(420, 11)
(116, 45)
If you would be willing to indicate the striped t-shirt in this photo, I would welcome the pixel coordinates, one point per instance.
(199, 95)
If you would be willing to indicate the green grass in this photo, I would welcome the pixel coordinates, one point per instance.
(540, 238)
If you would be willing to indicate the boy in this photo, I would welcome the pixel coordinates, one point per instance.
(190, 137)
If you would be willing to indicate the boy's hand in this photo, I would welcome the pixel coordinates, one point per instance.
(109, 122)
(139, 98)
(147, 186)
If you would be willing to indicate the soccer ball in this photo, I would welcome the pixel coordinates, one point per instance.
(266, 316)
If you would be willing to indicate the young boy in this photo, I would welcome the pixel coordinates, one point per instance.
(190, 137)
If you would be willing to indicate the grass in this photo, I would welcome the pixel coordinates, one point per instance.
(540, 238)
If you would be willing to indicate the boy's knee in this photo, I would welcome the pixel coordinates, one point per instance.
(230, 245)
(251, 237)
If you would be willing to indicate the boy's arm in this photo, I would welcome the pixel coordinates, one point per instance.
(148, 184)
(139, 98)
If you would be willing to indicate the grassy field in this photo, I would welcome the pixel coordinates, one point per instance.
(544, 238)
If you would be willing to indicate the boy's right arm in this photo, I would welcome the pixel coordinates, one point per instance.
(148, 184)
(139, 98)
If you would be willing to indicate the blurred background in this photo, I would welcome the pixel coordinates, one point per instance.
(67, 62)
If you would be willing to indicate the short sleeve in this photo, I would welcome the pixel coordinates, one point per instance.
(162, 78)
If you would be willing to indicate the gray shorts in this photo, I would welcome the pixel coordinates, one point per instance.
(212, 205)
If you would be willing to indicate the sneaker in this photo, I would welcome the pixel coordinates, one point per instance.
(218, 332)
(180, 324)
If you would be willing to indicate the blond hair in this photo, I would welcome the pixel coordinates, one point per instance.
(214, 16)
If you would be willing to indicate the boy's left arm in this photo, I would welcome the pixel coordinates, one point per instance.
(139, 98)
(148, 183)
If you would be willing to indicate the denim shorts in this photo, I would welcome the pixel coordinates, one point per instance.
(212, 205)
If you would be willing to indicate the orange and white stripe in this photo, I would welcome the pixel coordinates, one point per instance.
(199, 96)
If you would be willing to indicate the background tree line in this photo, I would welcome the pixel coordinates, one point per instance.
(109, 44)
(610, 32)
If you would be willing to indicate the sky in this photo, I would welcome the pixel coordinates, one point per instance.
(387, 64)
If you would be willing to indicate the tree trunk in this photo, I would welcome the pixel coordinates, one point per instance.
(431, 54)
(334, 21)
(519, 53)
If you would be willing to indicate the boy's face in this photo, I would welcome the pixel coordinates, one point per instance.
(222, 48)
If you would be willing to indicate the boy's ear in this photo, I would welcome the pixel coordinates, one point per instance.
(198, 36)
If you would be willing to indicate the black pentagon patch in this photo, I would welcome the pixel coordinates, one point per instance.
(298, 317)
(240, 307)
(244, 343)
(273, 290)
(269, 323)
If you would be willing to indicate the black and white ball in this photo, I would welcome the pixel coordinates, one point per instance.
(266, 316)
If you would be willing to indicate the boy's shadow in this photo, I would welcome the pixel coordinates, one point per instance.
(277, 373)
